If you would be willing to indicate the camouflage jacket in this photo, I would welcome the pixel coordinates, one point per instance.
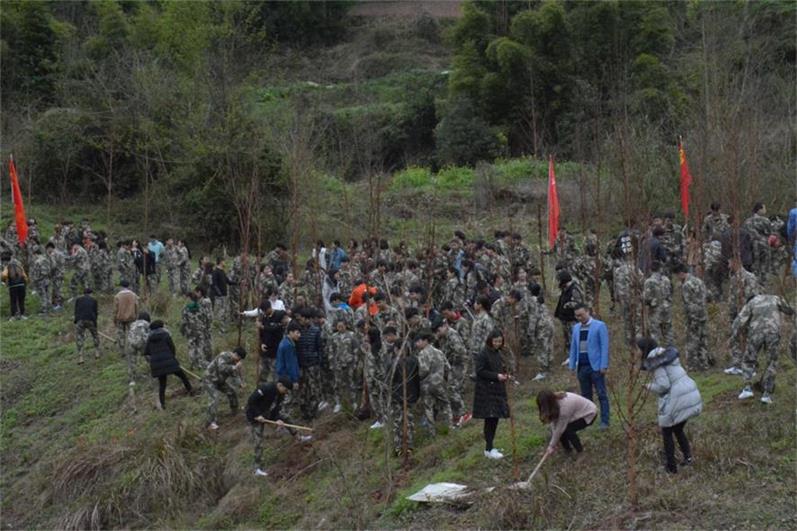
(760, 317)
(658, 291)
(223, 370)
(693, 292)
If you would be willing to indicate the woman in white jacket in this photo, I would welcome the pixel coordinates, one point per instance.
(678, 397)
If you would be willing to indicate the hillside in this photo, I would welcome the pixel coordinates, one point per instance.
(77, 452)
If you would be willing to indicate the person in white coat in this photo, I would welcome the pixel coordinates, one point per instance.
(678, 397)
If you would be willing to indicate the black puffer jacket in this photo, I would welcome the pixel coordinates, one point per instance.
(489, 397)
(161, 353)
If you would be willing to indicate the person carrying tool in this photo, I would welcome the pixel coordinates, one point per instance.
(263, 407)
(567, 413)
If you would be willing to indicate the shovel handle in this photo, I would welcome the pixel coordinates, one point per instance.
(537, 468)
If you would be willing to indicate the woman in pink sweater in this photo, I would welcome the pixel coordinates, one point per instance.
(567, 413)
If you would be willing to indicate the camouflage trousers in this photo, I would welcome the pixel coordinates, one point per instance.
(375, 377)
(567, 334)
(185, 277)
(714, 280)
(327, 383)
(632, 321)
(134, 357)
(214, 392)
(42, 287)
(258, 432)
(737, 353)
(121, 336)
(80, 278)
(81, 327)
(697, 355)
(310, 388)
(57, 286)
(435, 403)
(135, 281)
(543, 344)
(660, 324)
(173, 275)
(98, 279)
(755, 344)
(266, 369)
(221, 312)
(152, 283)
(397, 421)
(456, 388)
(346, 388)
(198, 352)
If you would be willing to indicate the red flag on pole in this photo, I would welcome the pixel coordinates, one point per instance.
(686, 179)
(553, 205)
(19, 208)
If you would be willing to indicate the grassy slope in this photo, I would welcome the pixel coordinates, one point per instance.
(76, 451)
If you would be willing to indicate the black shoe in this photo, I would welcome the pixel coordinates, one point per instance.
(687, 461)
(671, 469)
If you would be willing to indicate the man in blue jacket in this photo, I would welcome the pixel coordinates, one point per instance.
(287, 364)
(589, 356)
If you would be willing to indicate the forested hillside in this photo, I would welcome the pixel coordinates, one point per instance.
(139, 103)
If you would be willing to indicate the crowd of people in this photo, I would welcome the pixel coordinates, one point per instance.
(391, 333)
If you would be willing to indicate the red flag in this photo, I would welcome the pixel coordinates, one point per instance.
(686, 179)
(19, 208)
(553, 205)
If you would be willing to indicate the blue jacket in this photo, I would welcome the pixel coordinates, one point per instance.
(287, 362)
(597, 345)
(337, 258)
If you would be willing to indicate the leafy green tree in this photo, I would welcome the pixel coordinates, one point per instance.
(464, 138)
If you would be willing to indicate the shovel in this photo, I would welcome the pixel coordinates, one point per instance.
(525, 485)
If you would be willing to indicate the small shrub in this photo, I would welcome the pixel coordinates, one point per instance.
(411, 178)
(454, 178)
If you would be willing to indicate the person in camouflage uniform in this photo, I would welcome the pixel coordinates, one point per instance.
(657, 295)
(483, 324)
(693, 292)
(171, 261)
(57, 267)
(191, 327)
(743, 287)
(223, 376)
(672, 239)
(183, 265)
(456, 354)
(454, 289)
(374, 368)
(511, 315)
(58, 239)
(627, 288)
(136, 343)
(715, 223)
(234, 288)
(388, 315)
(714, 270)
(40, 272)
(759, 227)
(344, 347)
(206, 318)
(584, 271)
(79, 259)
(760, 319)
(96, 265)
(405, 390)
(124, 263)
(433, 371)
(565, 248)
(540, 331)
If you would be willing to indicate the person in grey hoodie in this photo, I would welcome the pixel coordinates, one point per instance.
(678, 397)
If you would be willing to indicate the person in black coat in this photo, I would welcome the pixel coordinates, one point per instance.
(271, 328)
(264, 404)
(489, 398)
(162, 357)
(86, 310)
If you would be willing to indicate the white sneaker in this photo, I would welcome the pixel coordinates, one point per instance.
(746, 393)
(336, 408)
(323, 405)
(766, 399)
(376, 425)
(540, 377)
(733, 370)
(213, 426)
(305, 438)
(495, 454)
(566, 362)
(260, 472)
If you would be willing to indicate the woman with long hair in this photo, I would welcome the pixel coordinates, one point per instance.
(490, 400)
(567, 413)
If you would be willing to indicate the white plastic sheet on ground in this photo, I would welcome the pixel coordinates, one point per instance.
(440, 493)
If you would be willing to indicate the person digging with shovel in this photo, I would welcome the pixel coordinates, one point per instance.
(567, 413)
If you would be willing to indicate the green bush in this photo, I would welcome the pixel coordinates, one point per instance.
(411, 178)
(454, 178)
